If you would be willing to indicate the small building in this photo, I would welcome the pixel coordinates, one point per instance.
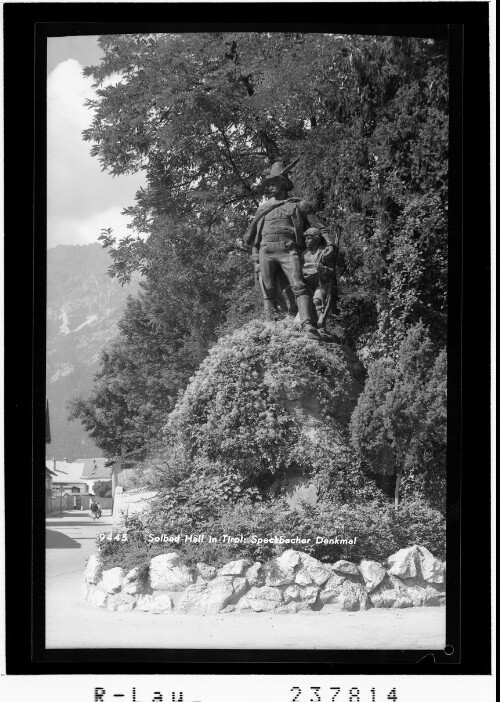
(48, 489)
(94, 469)
(122, 467)
(69, 491)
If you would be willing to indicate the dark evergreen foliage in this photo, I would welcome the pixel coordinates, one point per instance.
(399, 424)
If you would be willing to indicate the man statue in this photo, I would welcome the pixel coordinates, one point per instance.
(318, 270)
(276, 235)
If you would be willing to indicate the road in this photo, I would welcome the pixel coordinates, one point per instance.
(71, 538)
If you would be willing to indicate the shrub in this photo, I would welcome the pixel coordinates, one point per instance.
(135, 552)
(242, 423)
(380, 530)
(238, 407)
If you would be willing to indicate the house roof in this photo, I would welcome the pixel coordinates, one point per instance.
(65, 472)
(132, 457)
(95, 469)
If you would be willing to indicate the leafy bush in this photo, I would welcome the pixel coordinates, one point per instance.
(242, 422)
(135, 552)
(235, 406)
(380, 530)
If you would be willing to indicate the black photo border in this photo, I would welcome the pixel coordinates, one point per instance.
(26, 27)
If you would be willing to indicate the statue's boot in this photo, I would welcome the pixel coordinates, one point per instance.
(325, 336)
(270, 310)
(305, 315)
(291, 302)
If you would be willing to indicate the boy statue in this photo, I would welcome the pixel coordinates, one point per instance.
(318, 270)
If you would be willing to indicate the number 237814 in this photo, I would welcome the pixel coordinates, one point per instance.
(338, 694)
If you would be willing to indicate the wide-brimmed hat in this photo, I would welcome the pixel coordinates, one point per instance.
(279, 169)
(312, 231)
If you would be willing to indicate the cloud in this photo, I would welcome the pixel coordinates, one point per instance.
(79, 194)
(87, 230)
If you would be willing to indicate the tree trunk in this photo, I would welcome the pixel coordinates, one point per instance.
(114, 478)
(398, 484)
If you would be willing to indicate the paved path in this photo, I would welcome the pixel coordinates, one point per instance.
(70, 624)
(70, 538)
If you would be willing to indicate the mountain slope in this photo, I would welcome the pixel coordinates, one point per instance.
(83, 307)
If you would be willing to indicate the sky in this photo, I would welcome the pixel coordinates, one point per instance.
(81, 199)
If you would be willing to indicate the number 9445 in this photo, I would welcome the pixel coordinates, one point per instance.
(111, 536)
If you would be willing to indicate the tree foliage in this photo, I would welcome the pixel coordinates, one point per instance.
(186, 300)
(399, 424)
(102, 488)
(204, 115)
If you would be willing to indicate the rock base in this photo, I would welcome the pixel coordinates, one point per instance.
(293, 582)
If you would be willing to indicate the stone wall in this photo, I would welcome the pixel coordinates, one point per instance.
(294, 581)
(127, 504)
(105, 502)
(57, 503)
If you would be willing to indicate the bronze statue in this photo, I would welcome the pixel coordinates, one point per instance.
(276, 235)
(318, 270)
